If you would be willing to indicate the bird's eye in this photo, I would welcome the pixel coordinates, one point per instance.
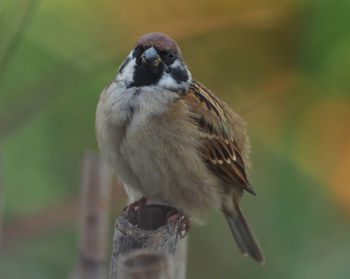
(169, 58)
(171, 55)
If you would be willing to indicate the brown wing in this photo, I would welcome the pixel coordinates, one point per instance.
(219, 147)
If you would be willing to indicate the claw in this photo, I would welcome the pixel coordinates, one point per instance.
(184, 222)
(139, 203)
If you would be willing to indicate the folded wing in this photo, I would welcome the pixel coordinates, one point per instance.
(219, 148)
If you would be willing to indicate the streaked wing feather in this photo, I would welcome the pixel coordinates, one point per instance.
(219, 147)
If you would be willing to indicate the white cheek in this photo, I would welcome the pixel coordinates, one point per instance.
(168, 82)
(177, 63)
(127, 74)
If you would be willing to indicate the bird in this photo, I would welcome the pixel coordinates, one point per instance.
(172, 141)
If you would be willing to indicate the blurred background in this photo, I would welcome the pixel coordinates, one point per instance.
(283, 65)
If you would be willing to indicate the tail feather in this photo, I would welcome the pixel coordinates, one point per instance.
(243, 235)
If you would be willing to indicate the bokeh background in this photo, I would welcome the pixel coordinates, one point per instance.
(283, 65)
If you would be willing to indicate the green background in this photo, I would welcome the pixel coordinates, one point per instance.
(283, 65)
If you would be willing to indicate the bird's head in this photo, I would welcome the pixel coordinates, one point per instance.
(157, 61)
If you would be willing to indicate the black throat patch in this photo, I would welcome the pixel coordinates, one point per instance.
(145, 74)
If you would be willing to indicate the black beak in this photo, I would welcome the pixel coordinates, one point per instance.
(151, 57)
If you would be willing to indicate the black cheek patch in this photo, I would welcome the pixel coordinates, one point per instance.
(180, 75)
(124, 64)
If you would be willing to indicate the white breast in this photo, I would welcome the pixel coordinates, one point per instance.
(146, 136)
(123, 121)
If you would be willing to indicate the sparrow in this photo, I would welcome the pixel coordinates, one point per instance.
(173, 141)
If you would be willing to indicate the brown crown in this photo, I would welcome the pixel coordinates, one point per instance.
(160, 41)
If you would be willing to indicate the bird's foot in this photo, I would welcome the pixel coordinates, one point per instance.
(141, 203)
(184, 222)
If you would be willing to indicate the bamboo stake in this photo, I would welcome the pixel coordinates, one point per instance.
(144, 264)
(148, 229)
(94, 218)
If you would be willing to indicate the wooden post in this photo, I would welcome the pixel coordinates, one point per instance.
(94, 218)
(148, 229)
(145, 264)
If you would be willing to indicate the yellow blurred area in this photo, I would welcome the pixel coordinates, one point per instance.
(324, 145)
(340, 177)
(184, 19)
